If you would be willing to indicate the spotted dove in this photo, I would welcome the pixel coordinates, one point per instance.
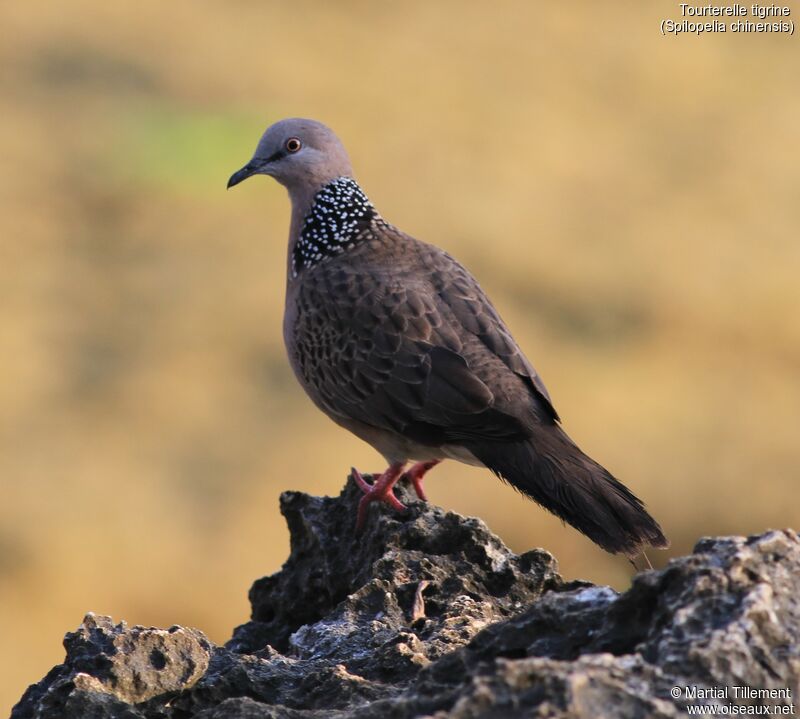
(395, 341)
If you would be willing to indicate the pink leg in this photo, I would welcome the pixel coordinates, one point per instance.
(379, 491)
(417, 472)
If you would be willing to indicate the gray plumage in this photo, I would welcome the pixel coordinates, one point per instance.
(395, 341)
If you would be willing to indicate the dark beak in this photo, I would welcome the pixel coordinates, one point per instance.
(251, 168)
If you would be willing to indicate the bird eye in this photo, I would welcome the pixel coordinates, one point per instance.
(293, 144)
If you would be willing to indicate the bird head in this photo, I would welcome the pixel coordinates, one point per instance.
(300, 154)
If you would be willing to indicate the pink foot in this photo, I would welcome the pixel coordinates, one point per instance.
(416, 474)
(379, 491)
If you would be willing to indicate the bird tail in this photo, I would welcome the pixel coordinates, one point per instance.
(551, 470)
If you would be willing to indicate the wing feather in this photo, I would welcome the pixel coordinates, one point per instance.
(419, 351)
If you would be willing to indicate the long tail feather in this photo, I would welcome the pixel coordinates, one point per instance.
(552, 471)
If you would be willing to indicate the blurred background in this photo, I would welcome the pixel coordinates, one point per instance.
(629, 201)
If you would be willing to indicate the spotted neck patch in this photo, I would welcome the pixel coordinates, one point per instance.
(335, 223)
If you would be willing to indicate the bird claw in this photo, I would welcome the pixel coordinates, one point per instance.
(362, 483)
(381, 488)
(379, 491)
(416, 474)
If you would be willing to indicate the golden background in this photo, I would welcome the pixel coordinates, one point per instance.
(629, 201)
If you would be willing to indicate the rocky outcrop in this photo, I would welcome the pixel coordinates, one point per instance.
(428, 614)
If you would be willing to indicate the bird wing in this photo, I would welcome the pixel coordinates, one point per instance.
(460, 291)
(390, 350)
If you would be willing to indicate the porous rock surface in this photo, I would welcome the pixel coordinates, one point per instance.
(427, 614)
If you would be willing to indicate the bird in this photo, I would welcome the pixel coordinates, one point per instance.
(395, 341)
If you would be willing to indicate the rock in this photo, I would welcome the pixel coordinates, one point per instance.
(427, 614)
(109, 668)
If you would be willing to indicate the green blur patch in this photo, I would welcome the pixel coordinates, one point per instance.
(185, 150)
